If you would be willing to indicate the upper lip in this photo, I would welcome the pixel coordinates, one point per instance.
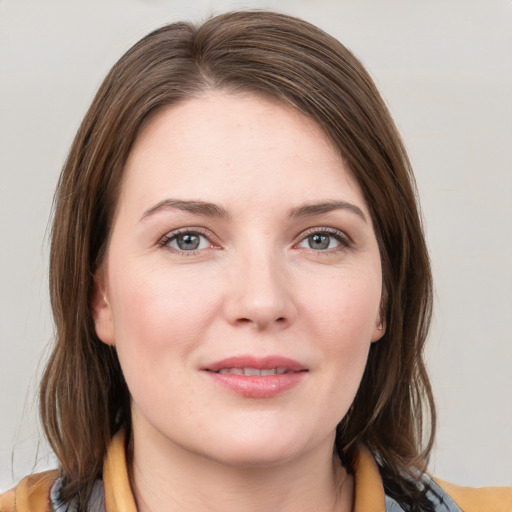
(261, 363)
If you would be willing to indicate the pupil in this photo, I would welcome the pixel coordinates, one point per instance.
(319, 241)
(188, 242)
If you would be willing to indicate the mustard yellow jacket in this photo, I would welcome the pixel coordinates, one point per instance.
(33, 493)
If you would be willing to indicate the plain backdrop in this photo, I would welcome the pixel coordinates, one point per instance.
(445, 69)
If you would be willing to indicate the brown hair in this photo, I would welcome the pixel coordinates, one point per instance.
(84, 398)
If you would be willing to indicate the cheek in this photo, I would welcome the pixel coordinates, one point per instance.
(342, 321)
(345, 307)
(158, 316)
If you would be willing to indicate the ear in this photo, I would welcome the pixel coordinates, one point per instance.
(380, 329)
(380, 322)
(101, 310)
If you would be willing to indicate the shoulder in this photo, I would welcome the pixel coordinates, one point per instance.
(447, 497)
(41, 493)
(470, 499)
(443, 496)
(32, 494)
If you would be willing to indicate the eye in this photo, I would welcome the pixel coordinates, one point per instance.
(186, 241)
(324, 240)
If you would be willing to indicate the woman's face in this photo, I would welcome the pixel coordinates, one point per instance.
(242, 282)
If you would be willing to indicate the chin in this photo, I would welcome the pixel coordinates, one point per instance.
(254, 455)
(263, 447)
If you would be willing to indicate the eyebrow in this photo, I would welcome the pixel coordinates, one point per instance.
(213, 210)
(311, 209)
(197, 207)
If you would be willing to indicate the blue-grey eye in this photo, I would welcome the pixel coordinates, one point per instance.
(188, 242)
(320, 241)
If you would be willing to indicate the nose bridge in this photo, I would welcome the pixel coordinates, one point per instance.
(260, 291)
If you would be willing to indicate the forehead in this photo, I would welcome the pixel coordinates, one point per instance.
(224, 146)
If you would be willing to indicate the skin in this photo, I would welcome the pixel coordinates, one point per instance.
(257, 284)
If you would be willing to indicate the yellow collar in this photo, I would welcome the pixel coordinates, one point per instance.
(118, 493)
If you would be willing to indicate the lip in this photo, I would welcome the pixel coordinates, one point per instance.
(261, 386)
(262, 363)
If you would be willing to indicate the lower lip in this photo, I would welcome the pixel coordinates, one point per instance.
(263, 386)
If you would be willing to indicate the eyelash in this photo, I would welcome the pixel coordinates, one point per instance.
(170, 237)
(344, 240)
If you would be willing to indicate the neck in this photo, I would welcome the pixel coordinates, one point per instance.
(167, 477)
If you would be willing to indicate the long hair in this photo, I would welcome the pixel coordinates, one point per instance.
(84, 398)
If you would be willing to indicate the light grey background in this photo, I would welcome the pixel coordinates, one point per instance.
(445, 69)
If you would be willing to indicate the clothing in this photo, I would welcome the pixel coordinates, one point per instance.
(40, 492)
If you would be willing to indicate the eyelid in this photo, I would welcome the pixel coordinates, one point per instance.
(171, 235)
(345, 240)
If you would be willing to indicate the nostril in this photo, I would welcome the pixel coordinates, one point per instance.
(245, 320)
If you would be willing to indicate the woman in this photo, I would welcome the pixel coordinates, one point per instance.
(240, 286)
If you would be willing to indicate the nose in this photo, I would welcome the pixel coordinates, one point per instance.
(260, 293)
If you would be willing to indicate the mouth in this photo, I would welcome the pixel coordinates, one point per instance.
(253, 372)
(255, 377)
(253, 366)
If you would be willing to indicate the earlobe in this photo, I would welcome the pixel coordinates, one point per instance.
(101, 311)
(380, 330)
(380, 322)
